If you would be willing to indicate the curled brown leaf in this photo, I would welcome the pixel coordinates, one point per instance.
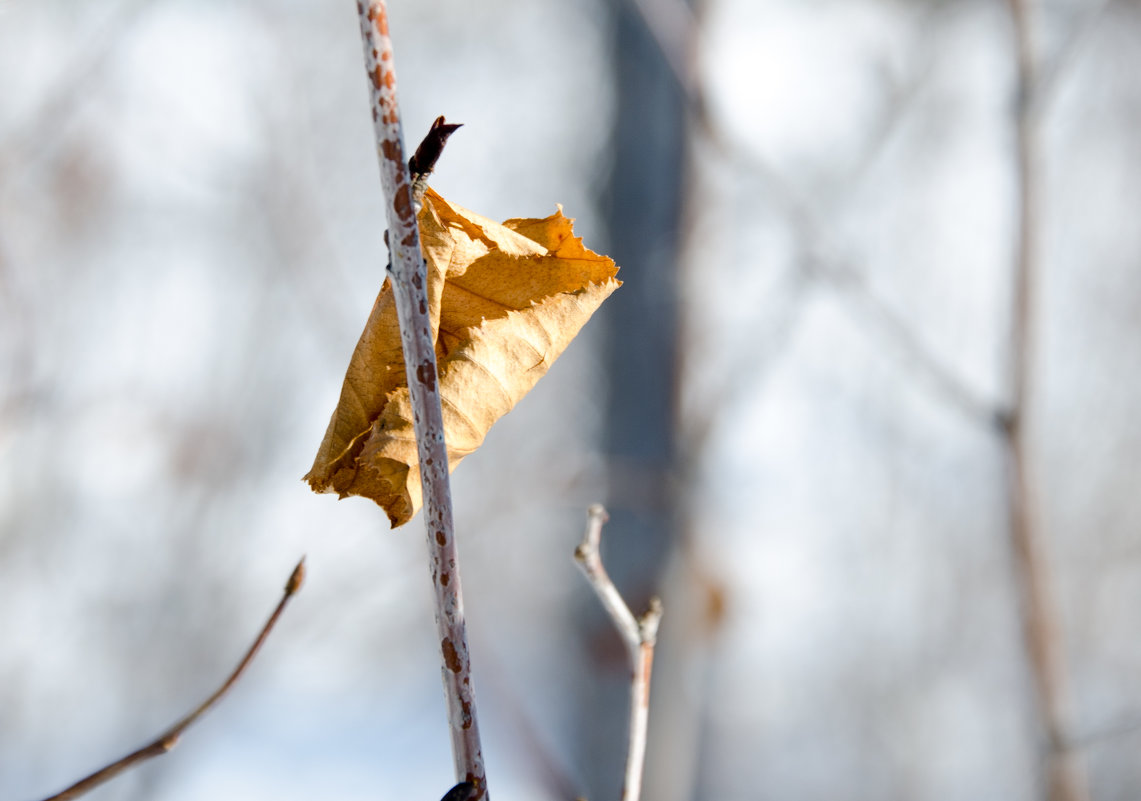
(505, 300)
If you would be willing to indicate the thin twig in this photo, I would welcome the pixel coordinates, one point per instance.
(639, 635)
(1066, 779)
(409, 282)
(169, 739)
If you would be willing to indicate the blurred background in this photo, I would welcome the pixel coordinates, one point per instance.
(864, 412)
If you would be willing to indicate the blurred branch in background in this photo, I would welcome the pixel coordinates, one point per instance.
(677, 33)
(676, 30)
(81, 71)
(23, 143)
(1065, 778)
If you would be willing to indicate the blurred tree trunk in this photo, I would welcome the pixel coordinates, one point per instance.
(642, 202)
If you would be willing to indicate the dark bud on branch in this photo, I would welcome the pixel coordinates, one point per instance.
(424, 160)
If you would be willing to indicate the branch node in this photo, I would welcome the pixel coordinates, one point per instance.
(648, 622)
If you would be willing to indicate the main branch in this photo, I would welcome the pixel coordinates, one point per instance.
(409, 284)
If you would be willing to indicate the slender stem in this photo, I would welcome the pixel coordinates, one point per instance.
(639, 634)
(409, 281)
(169, 739)
(1066, 779)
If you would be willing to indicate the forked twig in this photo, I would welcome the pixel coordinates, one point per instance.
(639, 635)
(409, 284)
(169, 739)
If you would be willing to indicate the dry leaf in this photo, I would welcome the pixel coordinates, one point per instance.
(504, 302)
